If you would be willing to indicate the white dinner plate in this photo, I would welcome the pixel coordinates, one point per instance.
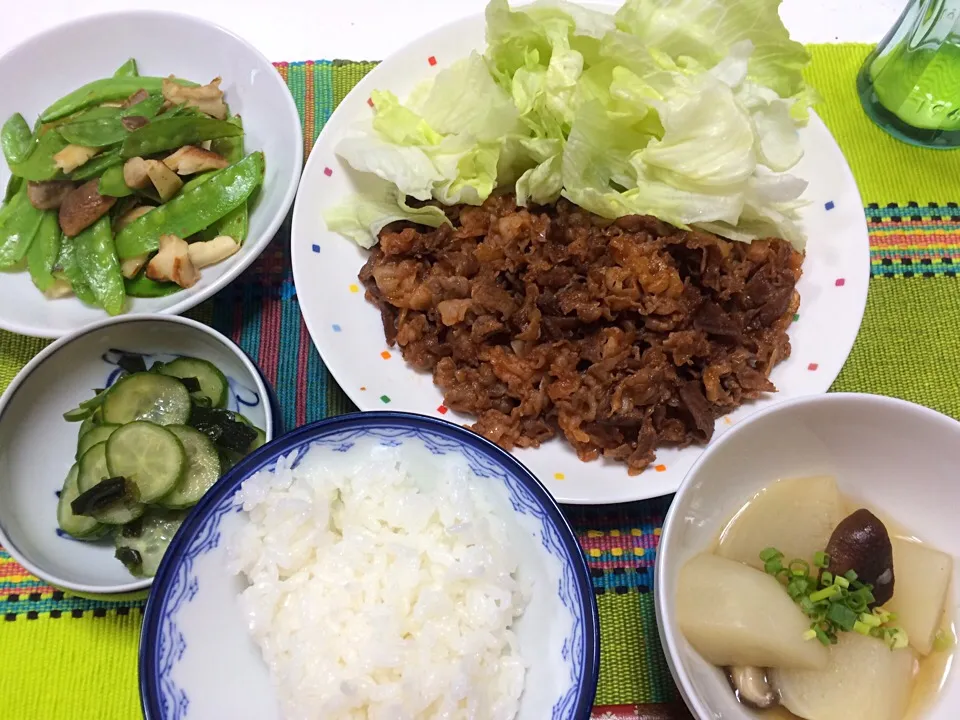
(349, 335)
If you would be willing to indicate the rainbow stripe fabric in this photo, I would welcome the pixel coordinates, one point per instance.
(65, 656)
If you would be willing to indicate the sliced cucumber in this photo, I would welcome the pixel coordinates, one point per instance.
(88, 424)
(96, 435)
(148, 455)
(213, 384)
(80, 527)
(147, 396)
(93, 467)
(141, 547)
(203, 468)
(85, 409)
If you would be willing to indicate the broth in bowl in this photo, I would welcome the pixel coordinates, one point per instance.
(818, 609)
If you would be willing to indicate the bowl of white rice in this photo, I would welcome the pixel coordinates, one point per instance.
(377, 566)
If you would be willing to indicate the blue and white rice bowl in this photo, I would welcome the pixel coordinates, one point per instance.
(197, 659)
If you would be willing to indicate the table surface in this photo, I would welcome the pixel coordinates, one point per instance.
(372, 29)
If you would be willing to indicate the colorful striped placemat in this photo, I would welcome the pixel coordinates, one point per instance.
(68, 657)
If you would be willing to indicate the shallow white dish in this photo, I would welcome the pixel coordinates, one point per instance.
(44, 68)
(197, 660)
(37, 445)
(892, 455)
(347, 330)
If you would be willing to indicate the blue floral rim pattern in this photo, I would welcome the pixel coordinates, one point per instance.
(163, 645)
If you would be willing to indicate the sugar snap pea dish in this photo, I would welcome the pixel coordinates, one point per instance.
(148, 448)
(126, 187)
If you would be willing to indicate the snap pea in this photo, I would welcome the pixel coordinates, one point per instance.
(95, 133)
(94, 113)
(171, 133)
(195, 208)
(97, 259)
(16, 139)
(44, 251)
(128, 69)
(101, 91)
(112, 183)
(13, 184)
(70, 271)
(19, 222)
(236, 222)
(98, 165)
(143, 287)
(39, 165)
(145, 108)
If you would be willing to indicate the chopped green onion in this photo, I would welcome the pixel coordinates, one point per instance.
(826, 578)
(822, 637)
(770, 553)
(840, 581)
(897, 639)
(799, 568)
(842, 616)
(825, 594)
(861, 628)
(821, 559)
(870, 620)
(810, 634)
(850, 575)
(943, 641)
(772, 567)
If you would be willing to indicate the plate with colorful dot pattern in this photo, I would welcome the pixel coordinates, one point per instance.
(348, 333)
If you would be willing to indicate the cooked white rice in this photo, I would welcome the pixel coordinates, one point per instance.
(382, 587)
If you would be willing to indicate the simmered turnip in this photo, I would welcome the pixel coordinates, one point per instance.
(795, 516)
(864, 680)
(735, 615)
(923, 578)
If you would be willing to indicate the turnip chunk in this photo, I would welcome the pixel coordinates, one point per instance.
(923, 579)
(795, 516)
(735, 615)
(864, 680)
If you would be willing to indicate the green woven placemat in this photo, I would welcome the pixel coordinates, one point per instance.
(63, 656)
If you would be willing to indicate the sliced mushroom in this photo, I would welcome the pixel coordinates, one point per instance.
(164, 179)
(135, 173)
(213, 251)
(138, 97)
(190, 159)
(60, 289)
(133, 122)
(206, 98)
(752, 687)
(83, 207)
(131, 215)
(172, 263)
(73, 156)
(48, 195)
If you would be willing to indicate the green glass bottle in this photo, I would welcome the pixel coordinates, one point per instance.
(910, 84)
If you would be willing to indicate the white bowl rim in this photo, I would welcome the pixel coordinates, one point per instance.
(664, 610)
(55, 347)
(239, 264)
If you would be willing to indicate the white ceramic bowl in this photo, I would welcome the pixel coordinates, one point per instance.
(197, 660)
(42, 69)
(37, 445)
(894, 456)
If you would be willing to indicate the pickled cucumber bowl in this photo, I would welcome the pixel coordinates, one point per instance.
(265, 142)
(38, 447)
(816, 457)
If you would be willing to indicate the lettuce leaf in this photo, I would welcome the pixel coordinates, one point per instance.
(365, 214)
(687, 110)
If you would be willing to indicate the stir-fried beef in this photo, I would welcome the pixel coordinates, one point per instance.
(622, 336)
